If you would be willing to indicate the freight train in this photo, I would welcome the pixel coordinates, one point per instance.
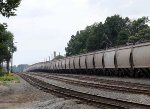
(132, 61)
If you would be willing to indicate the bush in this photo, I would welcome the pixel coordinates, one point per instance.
(2, 72)
(8, 77)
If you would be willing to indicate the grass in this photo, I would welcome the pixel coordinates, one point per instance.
(8, 77)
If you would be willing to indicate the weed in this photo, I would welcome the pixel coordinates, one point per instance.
(8, 77)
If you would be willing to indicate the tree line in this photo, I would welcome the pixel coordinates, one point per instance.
(7, 47)
(115, 31)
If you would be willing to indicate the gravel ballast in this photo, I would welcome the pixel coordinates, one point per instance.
(136, 98)
(124, 79)
(21, 95)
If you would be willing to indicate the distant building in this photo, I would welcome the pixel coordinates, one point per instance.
(20, 67)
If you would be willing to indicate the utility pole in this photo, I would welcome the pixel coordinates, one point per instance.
(49, 58)
(12, 63)
(54, 54)
(12, 60)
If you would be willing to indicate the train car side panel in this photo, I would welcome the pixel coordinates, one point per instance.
(72, 63)
(98, 57)
(76, 62)
(141, 56)
(109, 59)
(63, 64)
(60, 66)
(123, 58)
(89, 61)
(67, 63)
(83, 62)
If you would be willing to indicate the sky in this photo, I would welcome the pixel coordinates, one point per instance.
(44, 26)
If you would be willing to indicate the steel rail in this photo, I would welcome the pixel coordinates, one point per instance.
(97, 100)
(131, 89)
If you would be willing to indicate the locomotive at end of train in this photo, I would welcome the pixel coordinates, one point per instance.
(131, 61)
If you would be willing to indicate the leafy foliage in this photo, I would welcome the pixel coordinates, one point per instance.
(8, 7)
(8, 77)
(113, 32)
(6, 47)
(2, 72)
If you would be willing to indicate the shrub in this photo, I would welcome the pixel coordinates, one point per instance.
(8, 77)
(2, 72)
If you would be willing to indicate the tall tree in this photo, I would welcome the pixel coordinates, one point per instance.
(7, 47)
(137, 29)
(95, 37)
(3, 48)
(123, 37)
(113, 32)
(8, 7)
(113, 25)
(10, 47)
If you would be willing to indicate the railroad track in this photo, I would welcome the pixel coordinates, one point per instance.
(96, 100)
(102, 84)
(90, 78)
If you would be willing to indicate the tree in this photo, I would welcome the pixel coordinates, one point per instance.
(7, 47)
(77, 44)
(95, 37)
(145, 34)
(10, 47)
(113, 25)
(8, 7)
(91, 43)
(141, 36)
(136, 25)
(123, 37)
(113, 32)
(139, 30)
(3, 48)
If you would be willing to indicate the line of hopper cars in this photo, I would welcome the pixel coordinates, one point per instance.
(133, 61)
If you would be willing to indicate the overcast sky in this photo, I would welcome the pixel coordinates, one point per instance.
(44, 26)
